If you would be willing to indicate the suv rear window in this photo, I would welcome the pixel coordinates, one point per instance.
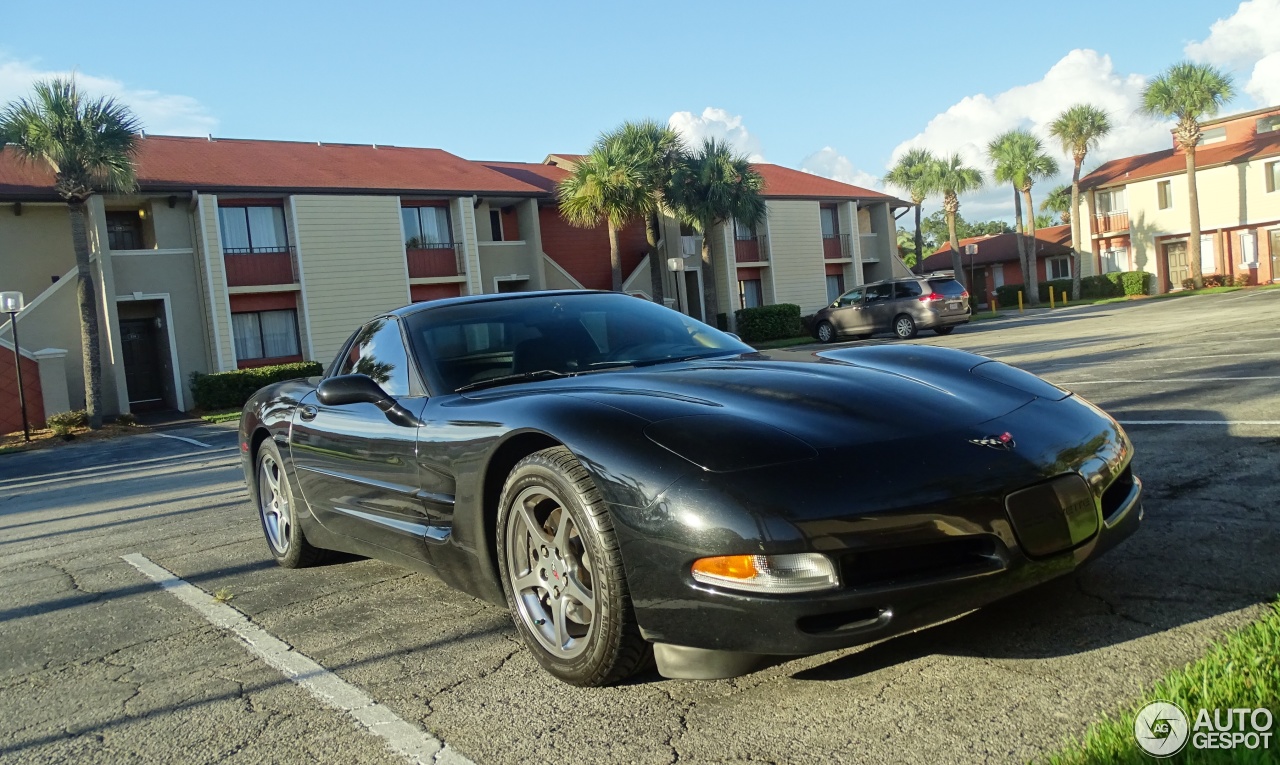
(907, 290)
(948, 287)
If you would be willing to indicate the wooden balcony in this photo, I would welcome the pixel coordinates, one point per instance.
(433, 260)
(1106, 223)
(749, 250)
(836, 247)
(259, 268)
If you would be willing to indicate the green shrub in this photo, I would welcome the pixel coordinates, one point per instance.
(1060, 287)
(126, 419)
(769, 322)
(1101, 287)
(1136, 282)
(1007, 295)
(1243, 280)
(230, 390)
(64, 422)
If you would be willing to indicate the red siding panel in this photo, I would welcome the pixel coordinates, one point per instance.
(423, 292)
(263, 301)
(584, 252)
(10, 412)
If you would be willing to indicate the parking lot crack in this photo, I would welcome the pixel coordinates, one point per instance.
(1112, 609)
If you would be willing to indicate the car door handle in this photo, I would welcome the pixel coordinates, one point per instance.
(308, 413)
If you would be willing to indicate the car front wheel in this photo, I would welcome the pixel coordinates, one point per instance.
(904, 327)
(278, 512)
(826, 333)
(562, 572)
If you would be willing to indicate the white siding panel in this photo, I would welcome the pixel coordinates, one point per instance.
(219, 307)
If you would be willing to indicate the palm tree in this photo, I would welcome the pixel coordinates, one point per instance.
(1020, 159)
(1079, 128)
(606, 186)
(1188, 93)
(911, 174)
(950, 177)
(1004, 152)
(89, 144)
(656, 150)
(1058, 202)
(713, 186)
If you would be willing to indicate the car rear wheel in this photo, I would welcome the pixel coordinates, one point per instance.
(562, 572)
(943, 330)
(826, 333)
(904, 326)
(277, 512)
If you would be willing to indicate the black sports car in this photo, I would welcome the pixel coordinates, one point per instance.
(628, 480)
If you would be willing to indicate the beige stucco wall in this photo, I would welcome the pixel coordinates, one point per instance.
(556, 277)
(55, 323)
(341, 238)
(506, 259)
(171, 228)
(34, 247)
(795, 252)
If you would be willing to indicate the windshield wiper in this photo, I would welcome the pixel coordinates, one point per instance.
(540, 374)
(690, 357)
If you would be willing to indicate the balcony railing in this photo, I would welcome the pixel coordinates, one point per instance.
(750, 249)
(836, 247)
(435, 259)
(259, 267)
(1112, 221)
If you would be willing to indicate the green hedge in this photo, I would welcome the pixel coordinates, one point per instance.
(1060, 287)
(1091, 288)
(1220, 280)
(1007, 295)
(769, 322)
(1134, 282)
(230, 390)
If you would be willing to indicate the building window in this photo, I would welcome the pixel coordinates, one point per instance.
(835, 287)
(750, 295)
(495, 225)
(1248, 248)
(1164, 194)
(1267, 124)
(1111, 201)
(1058, 268)
(1213, 135)
(1272, 170)
(426, 228)
(742, 230)
(253, 229)
(265, 334)
(1208, 263)
(1114, 261)
(830, 224)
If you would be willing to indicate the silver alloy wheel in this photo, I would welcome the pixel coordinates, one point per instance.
(273, 503)
(825, 332)
(549, 568)
(904, 327)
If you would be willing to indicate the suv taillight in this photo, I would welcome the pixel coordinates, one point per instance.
(931, 297)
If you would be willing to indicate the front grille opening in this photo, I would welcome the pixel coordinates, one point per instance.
(947, 558)
(841, 621)
(1115, 495)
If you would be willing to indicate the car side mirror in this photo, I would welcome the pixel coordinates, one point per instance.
(361, 389)
(734, 336)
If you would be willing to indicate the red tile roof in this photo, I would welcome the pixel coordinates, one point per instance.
(1171, 161)
(543, 176)
(783, 182)
(1002, 248)
(175, 163)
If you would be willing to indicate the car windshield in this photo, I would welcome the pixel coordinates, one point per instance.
(948, 287)
(498, 341)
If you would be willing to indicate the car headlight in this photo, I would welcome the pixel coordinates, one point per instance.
(799, 572)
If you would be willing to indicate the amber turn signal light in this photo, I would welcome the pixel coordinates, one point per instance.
(798, 572)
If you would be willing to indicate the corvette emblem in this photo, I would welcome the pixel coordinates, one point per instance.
(1004, 441)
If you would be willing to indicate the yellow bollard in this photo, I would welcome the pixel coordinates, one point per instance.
(1019, 301)
(1064, 300)
(995, 306)
(1051, 297)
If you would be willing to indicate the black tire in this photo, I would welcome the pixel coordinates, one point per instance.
(904, 326)
(278, 511)
(543, 489)
(825, 332)
(943, 330)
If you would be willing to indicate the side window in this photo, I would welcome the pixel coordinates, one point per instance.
(852, 297)
(907, 290)
(378, 351)
(877, 292)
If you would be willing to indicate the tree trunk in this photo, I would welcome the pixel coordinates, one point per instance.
(1193, 206)
(919, 237)
(1033, 283)
(656, 266)
(1017, 237)
(951, 208)
(615, 258)
(1075, 229)
(86, 296)
(711, 305)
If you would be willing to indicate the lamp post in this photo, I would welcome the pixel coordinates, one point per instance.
(11, 303)
(676, 266)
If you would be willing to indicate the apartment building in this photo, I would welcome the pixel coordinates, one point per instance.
(994, 261)
(1138, 217)
(238, 253)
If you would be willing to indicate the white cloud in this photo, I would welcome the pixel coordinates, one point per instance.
(163, 113)
(1247, 42)
(720, 124)
(830, 163)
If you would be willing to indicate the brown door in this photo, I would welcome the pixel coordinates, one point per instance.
(978, 286)
(140, 347)
(1175, 256)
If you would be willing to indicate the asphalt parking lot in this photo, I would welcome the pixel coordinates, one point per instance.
(99, 664)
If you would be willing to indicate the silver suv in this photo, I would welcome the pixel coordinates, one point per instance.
(900, 306)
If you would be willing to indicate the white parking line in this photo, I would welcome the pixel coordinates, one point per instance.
(403, 738)
(1146, 359)
(201, 444)
(1167, 380)
(1198, 422)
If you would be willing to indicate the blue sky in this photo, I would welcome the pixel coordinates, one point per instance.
(516, 81)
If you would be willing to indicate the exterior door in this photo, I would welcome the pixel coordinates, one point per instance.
(140, 346)
(1175, 256)
(850, 316)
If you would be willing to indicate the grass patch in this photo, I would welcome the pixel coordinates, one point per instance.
(785, 342)
(221, 415)
(1243, 670)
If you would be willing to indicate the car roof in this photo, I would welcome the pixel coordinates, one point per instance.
(489, 298)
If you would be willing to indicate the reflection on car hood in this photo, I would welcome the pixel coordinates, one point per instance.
(827, 404)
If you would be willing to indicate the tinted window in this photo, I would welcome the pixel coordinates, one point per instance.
(851, 297)
(879, 292)
(570, 334)
(948, 287)
(907, 290)
(378, 351)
